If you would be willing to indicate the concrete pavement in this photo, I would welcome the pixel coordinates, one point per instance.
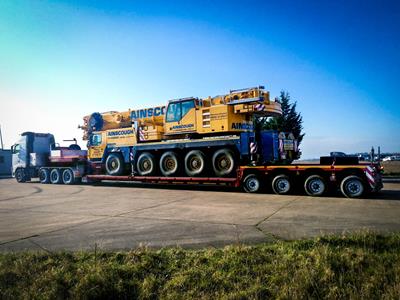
(125, 215)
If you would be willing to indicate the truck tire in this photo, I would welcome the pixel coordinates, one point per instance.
(251, 184)
(68, 176)
(169, 163)
(223, 162)
(352, 186)
(55, 176)
(114, 164)
(44, 176)
(20, 175)
(281, 184)
(194, 163)
(315, 186)
(146, 164)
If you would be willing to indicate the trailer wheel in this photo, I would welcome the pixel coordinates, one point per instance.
(20, 175)
(169, 163)
(114, 164)
(281, 184)
(194, 163)
(55, 176)
(68, 176)
(145, 164)
(315, 185)
(223, 162)
(352, 186)
(251, 184)
(44, 176)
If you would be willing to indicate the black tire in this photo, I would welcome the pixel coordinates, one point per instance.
(68, 176)
(20, 175)
(114, 164)
(146, 164)
(315, 186)
(55, 176)
(223, 162)
(169, 163)
(281, 185)
(352, 187)
(195, 163)
(251, 184)
(44, 176)
(74, 147)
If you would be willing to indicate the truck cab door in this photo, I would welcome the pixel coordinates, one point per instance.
(180, 117)
(18, 157)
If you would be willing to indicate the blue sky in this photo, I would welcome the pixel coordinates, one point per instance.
(340, 60)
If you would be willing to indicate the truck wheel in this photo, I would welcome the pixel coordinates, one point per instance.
(114, 164)
(315, 185)
(194, 163)
(68, 176)
(145, 164)
(281, 185)
(223, 162)
(169, 163)
(44, 176)
(251, 184)
(55, 176)
(352, 186)
(20, 175)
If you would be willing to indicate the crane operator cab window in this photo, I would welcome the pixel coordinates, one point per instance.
(177, 110)
(95, 139)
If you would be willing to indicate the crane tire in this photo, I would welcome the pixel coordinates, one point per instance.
(169, 163)
(114, 164)
(223, 162)
(44, 176)
(146, 164)
(194, 163)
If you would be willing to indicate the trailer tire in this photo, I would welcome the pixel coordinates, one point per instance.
(223, 162)
(281, 184)
(44, 176)
(169, 163)
(55, 176)
(68, 176)
(20, 175)
(315, 186)
(352, 187)
(114, 164)
(145, 164)
(251, 184)
(194, 163)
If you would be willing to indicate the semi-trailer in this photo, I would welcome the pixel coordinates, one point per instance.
(192, 140)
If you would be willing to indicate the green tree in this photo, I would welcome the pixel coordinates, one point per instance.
(289, 121)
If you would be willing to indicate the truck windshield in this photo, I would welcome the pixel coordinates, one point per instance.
(95, 140)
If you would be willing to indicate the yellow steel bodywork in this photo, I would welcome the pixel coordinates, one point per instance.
(221, 115)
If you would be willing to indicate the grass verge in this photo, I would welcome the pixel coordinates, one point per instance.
(358, 266)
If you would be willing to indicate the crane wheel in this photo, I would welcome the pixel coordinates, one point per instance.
(114, 164)
(20, 175)
(146, 164)
(44, 176)
(281, 184)
(251, 184)
(169, 163)
(315, 185)
(68, 176)
(55, 176)
(223, 162)
(352, 186)
(194, 163)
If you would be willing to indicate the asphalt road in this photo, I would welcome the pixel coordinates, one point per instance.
(123, 216)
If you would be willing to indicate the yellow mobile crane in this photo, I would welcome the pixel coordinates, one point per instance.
(189, 128)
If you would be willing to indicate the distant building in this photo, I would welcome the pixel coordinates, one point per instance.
(5, 162)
